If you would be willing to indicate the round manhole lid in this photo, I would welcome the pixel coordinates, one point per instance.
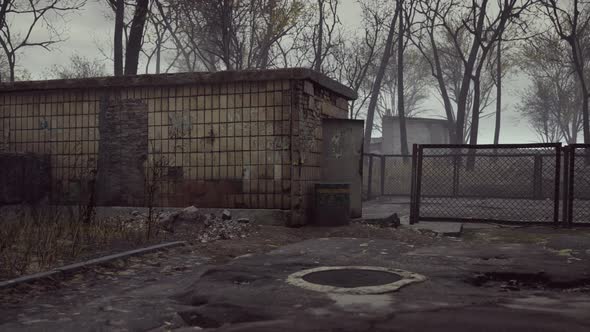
(350, 278)
(353, 279)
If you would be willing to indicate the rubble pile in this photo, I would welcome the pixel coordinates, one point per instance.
(198, 226)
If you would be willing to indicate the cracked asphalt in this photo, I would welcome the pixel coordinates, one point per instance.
(509, 279)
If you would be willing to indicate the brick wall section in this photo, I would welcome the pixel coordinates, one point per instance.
(123, 149)
(312, 103)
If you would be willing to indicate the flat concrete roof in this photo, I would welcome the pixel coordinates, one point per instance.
(185, 79)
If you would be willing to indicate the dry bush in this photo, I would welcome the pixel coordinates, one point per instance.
(156, 172)
(41, 238)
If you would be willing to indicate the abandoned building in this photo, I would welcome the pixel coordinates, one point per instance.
(244, 139)
(419, 131)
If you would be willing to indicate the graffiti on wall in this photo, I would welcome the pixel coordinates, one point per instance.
(180, 124)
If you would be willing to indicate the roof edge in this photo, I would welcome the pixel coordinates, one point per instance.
(438, 120)
(184, 79)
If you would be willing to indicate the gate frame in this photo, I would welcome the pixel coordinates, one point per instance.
(417, 161)
(569, 184)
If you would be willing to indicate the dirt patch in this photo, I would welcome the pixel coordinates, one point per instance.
(37, 240)
(266, 238)
(515, 281)
(260, 239)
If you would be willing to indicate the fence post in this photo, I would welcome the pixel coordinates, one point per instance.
(382, 175)
(413, 185)
(570, 185)
(418, 182)
(565, 181)
(370, 178)
(558, 149)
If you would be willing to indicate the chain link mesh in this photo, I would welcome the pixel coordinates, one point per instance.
(485, 183)
(389, 175)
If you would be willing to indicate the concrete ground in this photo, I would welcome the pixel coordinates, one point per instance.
(492, 279)
(381, 209)
(481, 278)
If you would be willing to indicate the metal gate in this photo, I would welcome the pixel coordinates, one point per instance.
(386, 175)
(576, 193)
(487, 183)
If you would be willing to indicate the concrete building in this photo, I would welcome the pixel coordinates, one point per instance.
(244, 139)
(419, 130)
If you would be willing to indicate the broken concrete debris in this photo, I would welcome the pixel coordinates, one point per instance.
(202, 227)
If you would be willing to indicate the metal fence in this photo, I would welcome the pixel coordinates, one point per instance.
(386, 175)
(497, 183)
(576, 194)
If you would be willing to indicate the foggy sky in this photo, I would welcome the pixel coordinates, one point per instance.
(90, 27)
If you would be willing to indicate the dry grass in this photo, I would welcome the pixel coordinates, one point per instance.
(34, 239)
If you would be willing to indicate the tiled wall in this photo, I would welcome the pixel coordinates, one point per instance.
(225, 144)
(222, 144)
(61, 124)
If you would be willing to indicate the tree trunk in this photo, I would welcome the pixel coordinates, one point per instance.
(579, 68)
(585, 124)
(498, 93)
(474, 121)
(118, 42)
(135, 37)
(11, 65)
(443, 91)
(468, 72)
(226, 34)
(400, 81)
(462, 103)
(158, 58)
(377, 84)
(318, 55)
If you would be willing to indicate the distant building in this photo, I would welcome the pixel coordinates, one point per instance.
(375, 146)
(419, 130)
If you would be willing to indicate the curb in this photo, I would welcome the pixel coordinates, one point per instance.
(78, 266)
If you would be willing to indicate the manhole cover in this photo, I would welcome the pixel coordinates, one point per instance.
(353, 279)
(349, 278)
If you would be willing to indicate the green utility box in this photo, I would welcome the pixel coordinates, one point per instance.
(331, 204)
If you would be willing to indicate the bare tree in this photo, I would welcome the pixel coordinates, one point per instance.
(324, 31)
(134, 44)
(571, 22)
(79, 67)
(498, 82)
(127, 52)
(356, 57)
(417, 87)
(378, 80)
(119, 8)
(425, 39)
(32, 14)
(477, 26)
(228, 34)
(551, 104)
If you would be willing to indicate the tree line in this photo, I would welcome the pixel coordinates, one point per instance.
(402, 53)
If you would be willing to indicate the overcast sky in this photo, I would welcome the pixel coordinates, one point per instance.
(90, 27)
